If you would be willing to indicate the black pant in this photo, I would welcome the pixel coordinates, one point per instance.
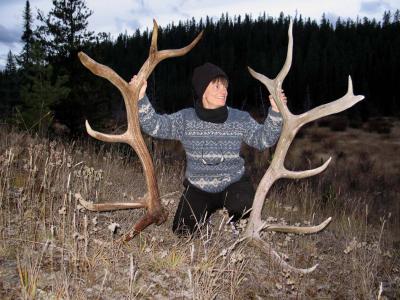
(196, 206)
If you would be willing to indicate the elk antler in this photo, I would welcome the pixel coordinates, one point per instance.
(155, 213)
(291, 124)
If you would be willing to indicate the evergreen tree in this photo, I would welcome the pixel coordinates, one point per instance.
(9, 87)
(40, 93)
(25, 57)
(63, 33)
(64, 30)
(396, 16)
(386, 18)
(11, 65)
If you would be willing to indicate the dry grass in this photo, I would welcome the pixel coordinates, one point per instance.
(47, 249)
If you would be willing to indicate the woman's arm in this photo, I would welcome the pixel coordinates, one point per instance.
(159, 126)
(262, 136)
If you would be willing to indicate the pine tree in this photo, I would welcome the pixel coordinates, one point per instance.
(387, 15)
(9, 89)
(25, 58)
(396, 16)
(63, 33)
(11, 65)
(40, 93)
(64, 29)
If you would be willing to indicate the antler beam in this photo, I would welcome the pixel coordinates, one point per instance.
(155, 213)
(291, 124)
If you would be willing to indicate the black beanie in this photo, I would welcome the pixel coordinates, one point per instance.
(203, 75)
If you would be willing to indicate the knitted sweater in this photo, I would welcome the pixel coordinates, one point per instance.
(212, 149)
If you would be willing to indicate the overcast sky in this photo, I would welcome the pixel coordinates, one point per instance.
(116, 16)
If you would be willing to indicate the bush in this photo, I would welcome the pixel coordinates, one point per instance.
(339, 123)
(380, 125)
(335, 123)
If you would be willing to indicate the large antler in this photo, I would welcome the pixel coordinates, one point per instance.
(291, 125)
(155, 213)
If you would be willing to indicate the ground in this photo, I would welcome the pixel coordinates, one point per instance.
(48, 249)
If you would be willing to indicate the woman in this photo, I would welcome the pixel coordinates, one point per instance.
(211, 134)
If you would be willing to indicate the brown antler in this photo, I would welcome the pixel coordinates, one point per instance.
(291, 124)
(155, 213)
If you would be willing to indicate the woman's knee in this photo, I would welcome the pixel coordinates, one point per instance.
(238, 212)
(239, 199)
(189, 216)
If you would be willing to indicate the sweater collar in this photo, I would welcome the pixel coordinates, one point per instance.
(217, 115)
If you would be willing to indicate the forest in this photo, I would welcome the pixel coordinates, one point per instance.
(46, 82)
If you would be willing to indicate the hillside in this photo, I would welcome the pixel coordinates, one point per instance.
(47, 247)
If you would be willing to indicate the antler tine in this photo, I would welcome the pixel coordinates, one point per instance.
(269, 83)
(179, 52)
(109, 74)
(100, 69)
(297, 229)
(267, 249)
(307, 173)
(154, 39)
(274, 86)
(103, 71)
(110, 138)
(108, 206)
(289, 57)
(343, 103)
(156, 56)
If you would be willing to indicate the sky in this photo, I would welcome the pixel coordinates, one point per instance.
(120, 16)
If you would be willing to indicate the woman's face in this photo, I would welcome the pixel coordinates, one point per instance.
(215, 94)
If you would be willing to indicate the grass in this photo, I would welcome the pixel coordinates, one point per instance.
(47, 248)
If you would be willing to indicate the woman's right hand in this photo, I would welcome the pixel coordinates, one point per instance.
(142, 91)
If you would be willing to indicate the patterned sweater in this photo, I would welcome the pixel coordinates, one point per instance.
(212, 149)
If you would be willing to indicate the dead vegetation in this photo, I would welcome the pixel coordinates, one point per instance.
(47, 249)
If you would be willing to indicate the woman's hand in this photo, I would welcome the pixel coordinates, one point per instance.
(142, 91)
(272, 101)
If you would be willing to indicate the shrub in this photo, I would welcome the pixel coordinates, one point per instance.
(339, 123)
(380, 125)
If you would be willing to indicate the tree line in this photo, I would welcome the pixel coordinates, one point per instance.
(46, 81)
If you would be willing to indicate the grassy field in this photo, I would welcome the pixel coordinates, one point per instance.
(47, 248)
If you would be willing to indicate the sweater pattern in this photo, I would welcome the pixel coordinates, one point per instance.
(212, 149)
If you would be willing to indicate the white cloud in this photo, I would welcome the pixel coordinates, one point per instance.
(9, 35)
(373, 7)
(118, 16)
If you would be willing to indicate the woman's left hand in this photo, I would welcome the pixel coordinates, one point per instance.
(283, 98)
(142, 91)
